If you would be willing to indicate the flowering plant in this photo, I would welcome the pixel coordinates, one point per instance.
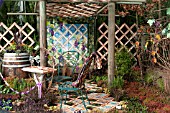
(17, 46)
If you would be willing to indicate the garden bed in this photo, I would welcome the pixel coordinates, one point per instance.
(149, 96)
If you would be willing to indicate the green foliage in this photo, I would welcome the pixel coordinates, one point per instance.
(168, 11)
(93, 78)
(160, 84)
(21, 84)
(104, 78)
(4, 89)
(5, 104)
(12, 6)
(28, 49)
(134, 106)
(123, 62)
(98, 78)
(24, 48)
(152, 76)
(116, 89)
(118, 82)
(149, 78)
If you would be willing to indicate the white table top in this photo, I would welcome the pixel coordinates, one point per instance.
(38, 69)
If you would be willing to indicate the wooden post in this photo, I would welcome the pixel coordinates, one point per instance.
(111, 42)
(43, 36)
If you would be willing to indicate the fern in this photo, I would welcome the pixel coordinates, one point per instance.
(118, 82)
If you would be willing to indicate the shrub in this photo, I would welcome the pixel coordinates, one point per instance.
(123, 62)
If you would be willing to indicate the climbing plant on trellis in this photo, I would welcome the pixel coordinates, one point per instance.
(67, 37)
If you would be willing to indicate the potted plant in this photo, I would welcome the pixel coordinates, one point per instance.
(17, 46)
(16, 57)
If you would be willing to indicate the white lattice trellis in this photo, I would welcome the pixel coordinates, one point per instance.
(124, 38)
(5, 42)
(63, 38)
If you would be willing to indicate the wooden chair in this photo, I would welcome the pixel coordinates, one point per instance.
(77, 86)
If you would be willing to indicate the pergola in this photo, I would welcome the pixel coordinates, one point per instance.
(79, 8)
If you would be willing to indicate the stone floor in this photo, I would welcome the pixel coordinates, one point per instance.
(98, 101)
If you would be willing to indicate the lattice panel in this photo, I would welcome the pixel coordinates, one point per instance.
(71, 58)
(124, 38)
(68, 37)
(6, 36)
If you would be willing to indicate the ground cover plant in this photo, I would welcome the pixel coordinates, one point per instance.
(31, 103)
(149, 96)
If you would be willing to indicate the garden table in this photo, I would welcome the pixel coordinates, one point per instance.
(38, 75)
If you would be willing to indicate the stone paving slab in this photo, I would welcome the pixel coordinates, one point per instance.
(100, 101)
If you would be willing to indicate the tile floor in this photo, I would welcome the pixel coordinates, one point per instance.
(100, 101)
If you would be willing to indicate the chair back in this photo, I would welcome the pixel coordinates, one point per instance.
(68, 59)
(84, 71)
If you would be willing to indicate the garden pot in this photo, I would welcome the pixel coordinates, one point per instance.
(13, 63)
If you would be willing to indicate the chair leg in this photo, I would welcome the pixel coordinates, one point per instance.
(77, 93)
(83, 100)
(65, 97)
(87, 97)
(61, 100)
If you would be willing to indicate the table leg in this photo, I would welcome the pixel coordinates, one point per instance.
(38, 80)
